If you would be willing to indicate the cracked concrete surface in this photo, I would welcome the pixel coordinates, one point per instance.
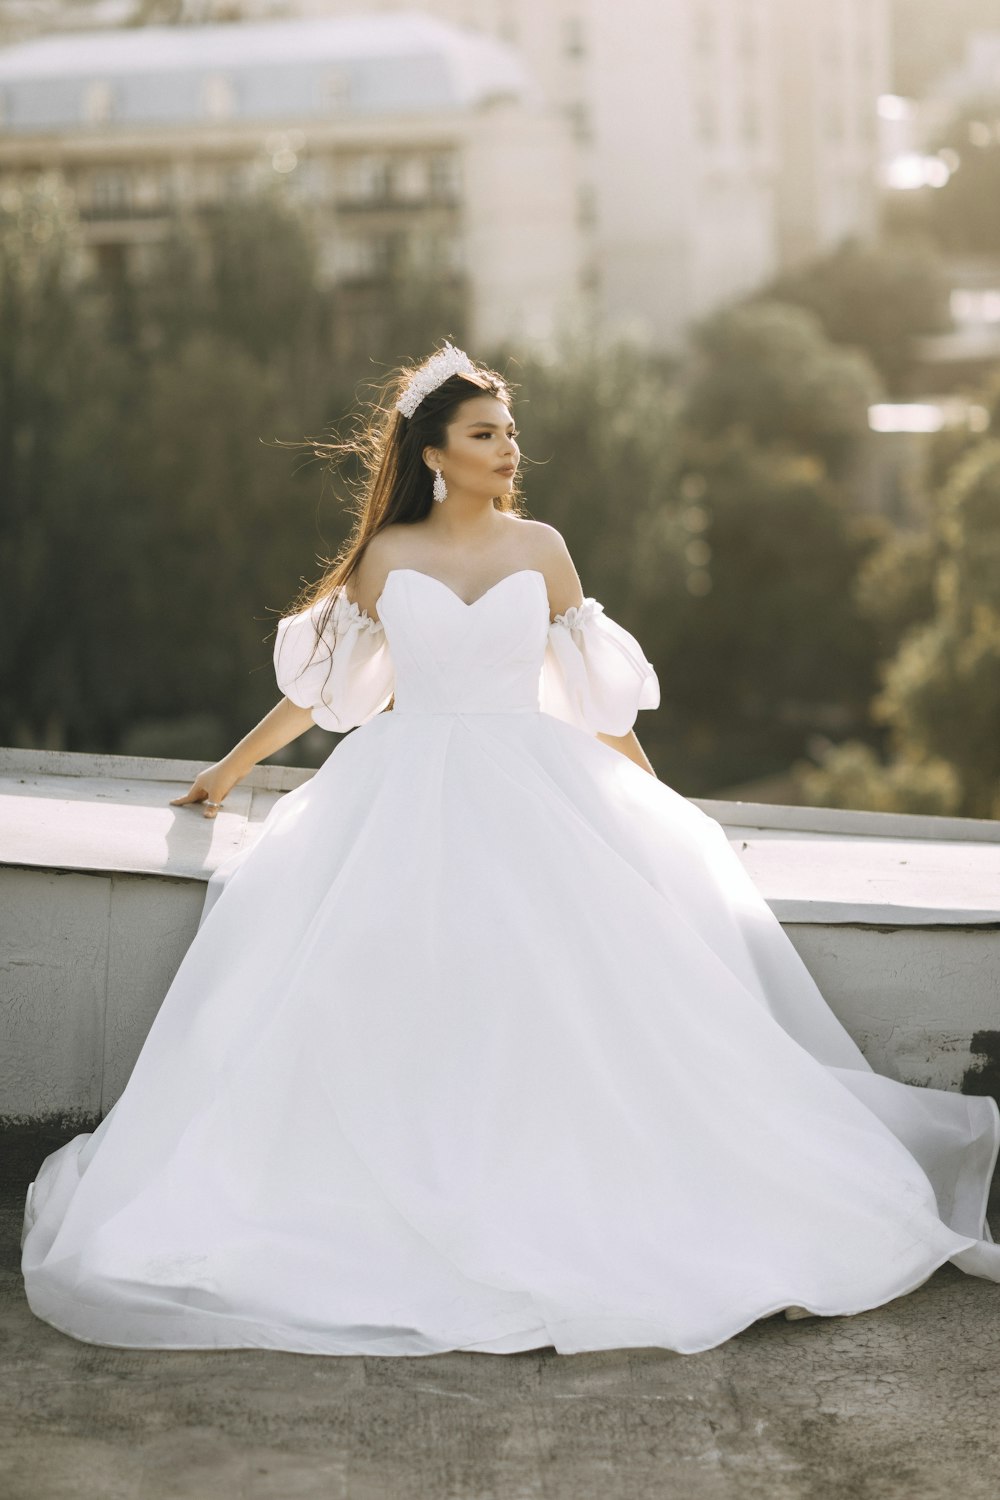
(899, 1403)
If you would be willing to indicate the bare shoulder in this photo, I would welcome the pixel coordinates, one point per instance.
(552, 558)
(367, 579)
(538, 534)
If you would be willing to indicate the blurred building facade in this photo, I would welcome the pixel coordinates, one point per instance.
(642, 163)
(717, 142)
(420, 148)
(929, 38)
(965, 83)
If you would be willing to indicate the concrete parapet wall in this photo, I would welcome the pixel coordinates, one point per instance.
(102, 885)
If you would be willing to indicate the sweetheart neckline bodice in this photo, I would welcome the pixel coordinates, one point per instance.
(579, 666)
(465, 604)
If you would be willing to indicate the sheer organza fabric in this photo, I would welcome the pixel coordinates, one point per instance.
(489, 1042)
(594, 673)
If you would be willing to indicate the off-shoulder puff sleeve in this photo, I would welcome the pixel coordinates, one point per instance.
(346, 676)
(595, 674)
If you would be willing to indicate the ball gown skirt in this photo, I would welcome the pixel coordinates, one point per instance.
(489, 1042)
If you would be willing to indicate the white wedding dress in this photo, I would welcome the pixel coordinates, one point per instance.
(490, 1043)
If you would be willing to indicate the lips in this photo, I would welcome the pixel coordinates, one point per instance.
(508, 470)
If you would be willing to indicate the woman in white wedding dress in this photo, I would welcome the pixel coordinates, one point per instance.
(489, 1042)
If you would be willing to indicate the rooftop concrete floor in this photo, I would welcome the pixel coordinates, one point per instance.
(900, 1403)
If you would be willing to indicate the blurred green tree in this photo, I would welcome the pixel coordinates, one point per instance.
(876, 297)
(894, 586)
(768, 367)
(223, 527)
(143, 499)
(764, 644)
(940, 693)
(66, 394)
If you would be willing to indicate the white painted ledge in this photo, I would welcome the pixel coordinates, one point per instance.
(815, 864)
(112, 814)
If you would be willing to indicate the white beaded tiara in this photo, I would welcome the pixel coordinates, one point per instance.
(439, 368)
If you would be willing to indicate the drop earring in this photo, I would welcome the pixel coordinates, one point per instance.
(440, 489)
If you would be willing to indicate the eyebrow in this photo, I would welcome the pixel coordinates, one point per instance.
(494, 425)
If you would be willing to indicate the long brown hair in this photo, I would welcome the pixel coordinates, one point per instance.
(395, 484)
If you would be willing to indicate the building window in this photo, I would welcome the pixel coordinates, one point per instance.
(110, 194)
(453, 254)
(371, 257)
(974, 306)
(210, 182)
(704, 26)
(411, 178)
(233, 180)
(438, 254)
(151, 191)
(371, 179)
(98, 102)
(748, 36)
(310, 179)
(218, 97)
(355, 257)
(110, 262)
(574, 38)
(143, 259)
(578, 114)
(443, 175)
(751, 121)
(336, 89)
(834, 120)
(706, 120)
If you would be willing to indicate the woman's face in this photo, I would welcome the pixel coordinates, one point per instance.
(481, 456)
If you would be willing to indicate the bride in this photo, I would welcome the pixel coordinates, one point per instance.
(488, 1042)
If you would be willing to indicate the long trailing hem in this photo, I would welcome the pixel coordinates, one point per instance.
(489, 1042)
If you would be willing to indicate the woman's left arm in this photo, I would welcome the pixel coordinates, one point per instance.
(629, 746)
